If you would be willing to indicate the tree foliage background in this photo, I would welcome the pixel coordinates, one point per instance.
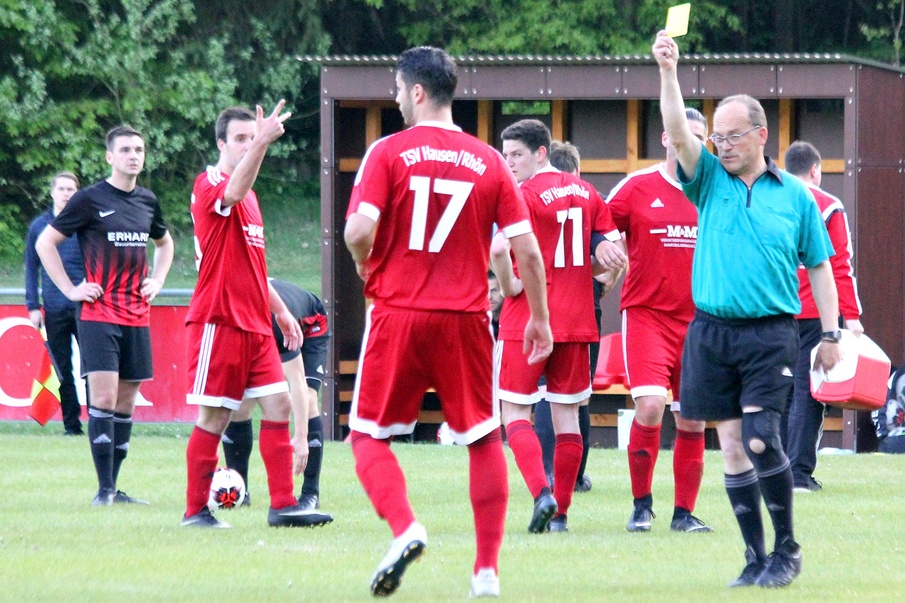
(72, 69)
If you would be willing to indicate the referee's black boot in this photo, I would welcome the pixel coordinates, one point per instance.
(783, 566)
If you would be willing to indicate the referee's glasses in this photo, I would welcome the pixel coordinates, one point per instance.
(732, 139)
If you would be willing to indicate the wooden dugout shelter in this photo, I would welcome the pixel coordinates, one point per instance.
(851, 109)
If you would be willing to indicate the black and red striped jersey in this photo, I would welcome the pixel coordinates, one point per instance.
(306, 307)
(113, 227)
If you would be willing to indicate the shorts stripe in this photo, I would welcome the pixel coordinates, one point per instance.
(204, 358)
(267, 390)
(355, 423)
(648, 390)
(497, 363)
(523, 399)
(568, 398)
(624, 347)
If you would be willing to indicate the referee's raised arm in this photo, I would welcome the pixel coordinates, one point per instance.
(672, 106)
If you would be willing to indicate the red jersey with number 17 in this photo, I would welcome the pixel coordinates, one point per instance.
(229, 253)
(565, 210)
(436, 193)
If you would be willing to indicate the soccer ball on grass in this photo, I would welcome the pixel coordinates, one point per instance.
(227, 489)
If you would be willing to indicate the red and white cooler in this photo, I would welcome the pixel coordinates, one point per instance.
(858, 381)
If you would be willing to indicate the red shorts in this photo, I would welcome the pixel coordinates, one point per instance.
(227, 364)
(407, 352)
(566, 370)
(653, 352)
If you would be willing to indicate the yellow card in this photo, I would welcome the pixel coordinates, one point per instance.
(677, 20)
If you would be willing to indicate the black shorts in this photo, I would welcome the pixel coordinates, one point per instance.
(314, 357)
(117, 348)
(731, 364)
(892, 445)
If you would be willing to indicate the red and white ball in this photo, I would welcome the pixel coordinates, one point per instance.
(227, 489)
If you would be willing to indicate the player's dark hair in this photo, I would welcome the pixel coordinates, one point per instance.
(228, 115)
(693, 114)
(118, 131)
(433, 69)
(531, 132)
(565, 157)
(801, 157)
(64, 174)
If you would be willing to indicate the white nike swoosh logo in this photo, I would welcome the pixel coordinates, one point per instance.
(104, 214)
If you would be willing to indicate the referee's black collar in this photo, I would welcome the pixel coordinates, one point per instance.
(773, 169)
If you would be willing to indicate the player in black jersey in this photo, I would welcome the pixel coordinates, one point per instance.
(303, 364)
(113, 221)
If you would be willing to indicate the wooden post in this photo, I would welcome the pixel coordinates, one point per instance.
(558, 119)
(485, 116)
(785, 130)
(632, 131)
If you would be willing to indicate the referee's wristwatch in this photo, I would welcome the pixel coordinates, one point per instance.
(831, 336)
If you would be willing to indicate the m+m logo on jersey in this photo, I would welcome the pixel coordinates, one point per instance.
(680, 231)
(254, 235)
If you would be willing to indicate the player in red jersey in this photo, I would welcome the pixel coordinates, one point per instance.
(231, 349)
(113, 221)
(436, 193)
(660, 228)
(802, 421)
(564, 212)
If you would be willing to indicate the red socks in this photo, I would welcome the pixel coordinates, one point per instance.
(528, 455)
(566, 462)
(643, 448)
(201, 462)
(276, 451)
(688, 467)
(383, 481)
(489, 489)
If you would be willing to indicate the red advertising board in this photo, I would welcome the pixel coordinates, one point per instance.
(162, 399)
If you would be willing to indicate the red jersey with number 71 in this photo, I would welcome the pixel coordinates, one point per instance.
(435, 193)
(565, 210)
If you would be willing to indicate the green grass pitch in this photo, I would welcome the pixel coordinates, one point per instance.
(54, 546)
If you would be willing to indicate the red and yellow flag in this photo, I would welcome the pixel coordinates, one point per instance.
(45, 391)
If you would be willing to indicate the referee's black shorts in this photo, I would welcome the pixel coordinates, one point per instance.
(731, 364)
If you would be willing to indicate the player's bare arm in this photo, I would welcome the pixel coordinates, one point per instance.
(289, 326)
(854, 325)
(243, 177)
(501, 264)
(163, 258)
(611, 256)
(672, 105)
(359, 237)
(606, 276)
(538, 337)
(823, 286)
(46, 246)
(298, 400)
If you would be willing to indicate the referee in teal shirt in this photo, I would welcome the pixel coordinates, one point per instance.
(756, 224)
